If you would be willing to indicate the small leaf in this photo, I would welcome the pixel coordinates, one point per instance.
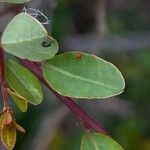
(81, 75)
(98, 141)
(18, 127)
(26, 38)
(19, 100)
(15, 1)
(8, 137)
(7, 118)
(23, 82)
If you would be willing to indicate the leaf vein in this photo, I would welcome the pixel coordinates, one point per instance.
(79, 77)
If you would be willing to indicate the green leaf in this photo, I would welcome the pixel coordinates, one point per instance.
(19, 100)
(23, 82)
(81, 75)
(15, 1)
(8, 137)
(26, 38)
(98, 141)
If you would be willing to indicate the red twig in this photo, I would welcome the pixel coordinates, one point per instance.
(3, 80)
(87, 121)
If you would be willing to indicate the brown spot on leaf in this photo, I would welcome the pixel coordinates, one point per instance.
(78, 55)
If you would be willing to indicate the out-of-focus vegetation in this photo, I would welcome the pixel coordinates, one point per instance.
(79, 18)
(133, 132)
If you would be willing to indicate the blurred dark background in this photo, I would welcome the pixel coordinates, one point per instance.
(118, 31)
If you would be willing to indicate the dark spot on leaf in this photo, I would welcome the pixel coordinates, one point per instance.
(78, 55)
(46, 43)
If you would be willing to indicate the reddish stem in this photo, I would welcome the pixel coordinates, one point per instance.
(3, 79)
(87, 121)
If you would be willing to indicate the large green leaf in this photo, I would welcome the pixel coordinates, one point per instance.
(26, 38)
(81, 75)
(23, 82)
(98, 141)
(15, 1)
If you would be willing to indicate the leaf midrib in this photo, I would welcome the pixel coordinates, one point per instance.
(43, 53)
(79, 77)
(24, 42)
(93, 141)
(20, 42)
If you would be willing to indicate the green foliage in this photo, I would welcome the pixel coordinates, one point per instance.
(72, 74)
(98, 141)
(23, 82)
(26, 38)
(15, 1)
(81, 75)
